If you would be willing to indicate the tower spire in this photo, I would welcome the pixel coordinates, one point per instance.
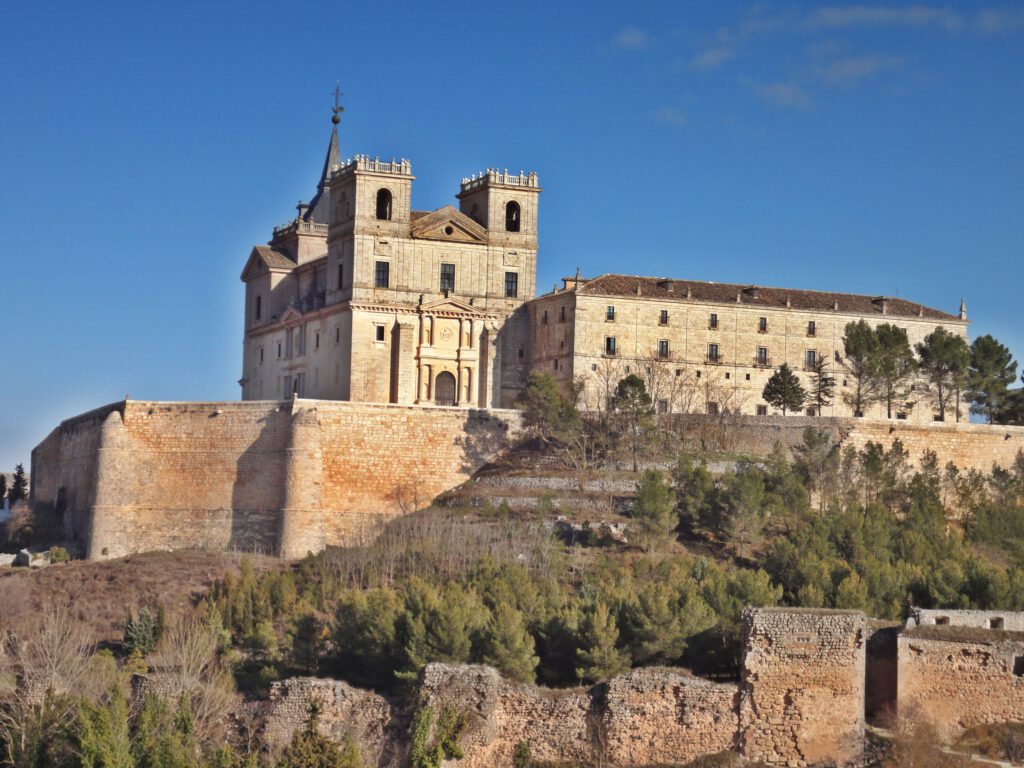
(317, 210)
(963, 309)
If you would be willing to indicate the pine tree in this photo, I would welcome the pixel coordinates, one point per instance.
(945, 358)
(19, 485)
(635, 414)
(860, 349)
(508, 646)
(598, 657)
(823, 384)
(306, 640)
(894, 365)
(654, 509)
(140, 633)
(992, 371)
(784, 390)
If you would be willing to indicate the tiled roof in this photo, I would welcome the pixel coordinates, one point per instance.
(274, 258)
(670, 289)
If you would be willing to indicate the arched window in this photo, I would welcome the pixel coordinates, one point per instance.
(512, 216)
(384, 204)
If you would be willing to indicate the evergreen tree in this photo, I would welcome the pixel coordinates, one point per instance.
(860, 360)
(140, 633)
(104, 733)
(547, 411)
(784, 390)
(992, 371)
(945, 358)
(654, 509)
(306, 641)
(635, 414)
(507, 646)
(19, 485)
(598, 657)
(3, 486)
(694, 487)
(438, 626)
(823, 384)
(895, 365)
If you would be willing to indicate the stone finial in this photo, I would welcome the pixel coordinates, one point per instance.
(963, 309)
(637, 287)
(835, 305)
(739, 297)
(789, 303)
(689, 292)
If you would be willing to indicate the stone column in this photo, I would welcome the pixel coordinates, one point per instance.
(302, 523)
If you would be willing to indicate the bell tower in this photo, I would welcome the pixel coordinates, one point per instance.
(504, 203)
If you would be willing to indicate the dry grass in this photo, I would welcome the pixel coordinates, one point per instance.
(101, 594)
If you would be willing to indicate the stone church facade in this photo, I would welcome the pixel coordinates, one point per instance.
(361, 298)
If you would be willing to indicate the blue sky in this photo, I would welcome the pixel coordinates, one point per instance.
(146, 147)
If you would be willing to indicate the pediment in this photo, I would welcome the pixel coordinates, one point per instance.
(290, 314)
(450, 306)
(265, 259)
(448, 224)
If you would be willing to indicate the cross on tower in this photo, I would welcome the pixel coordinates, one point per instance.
(338, 109)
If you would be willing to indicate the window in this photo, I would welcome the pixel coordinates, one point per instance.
(379, 332)
(337, 334)
(762, 325)
(289, 343)
(663, 348)
(593, 366)
(698, 374)
(316, 342)
(727, 375)
(712, 353)
(679, 371)
(544, 318)
(663, 406)
(279, 350)
(381, 274)
(520, 353)
(512, 216)
(712, 409)
(1018, 666)
(511, 285)
(713, 322)
(995, 623)
(561, 314)
(341, 276)
(555, 364)
(447, 277)
(812, 328)
(942, 621)
(609, 314)
(300, 340)
(609, 345)
(663, 319)
(384, 204)
(810, 359)
(811, 412)
(261, 355)
(259, 306)
(748, 377)
(762, 410)
(762, 357)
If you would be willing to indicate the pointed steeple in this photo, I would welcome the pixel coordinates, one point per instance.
(963, 309)
(318, 208)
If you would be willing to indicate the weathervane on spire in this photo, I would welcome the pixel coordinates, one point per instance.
(338, 109)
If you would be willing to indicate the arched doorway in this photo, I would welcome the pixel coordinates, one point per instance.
(444, 389)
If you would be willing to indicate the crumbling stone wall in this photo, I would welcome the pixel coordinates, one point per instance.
(958, 677)
(1009, 620)
(803, 686)
(288, 477)
(344, 713)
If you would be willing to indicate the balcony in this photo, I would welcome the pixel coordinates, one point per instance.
(762, 361)
(713, 359)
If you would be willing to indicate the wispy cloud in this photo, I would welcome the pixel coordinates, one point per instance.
(712, 58)
(1000, 21)
(671, 116)
(885, 16)
(852, 70)
(631, 39)
(786, 94)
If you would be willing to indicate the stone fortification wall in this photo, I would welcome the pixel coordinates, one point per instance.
(1009, 620)
(969, 446)
(803, 686)
(957, 677)
(287, 477)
